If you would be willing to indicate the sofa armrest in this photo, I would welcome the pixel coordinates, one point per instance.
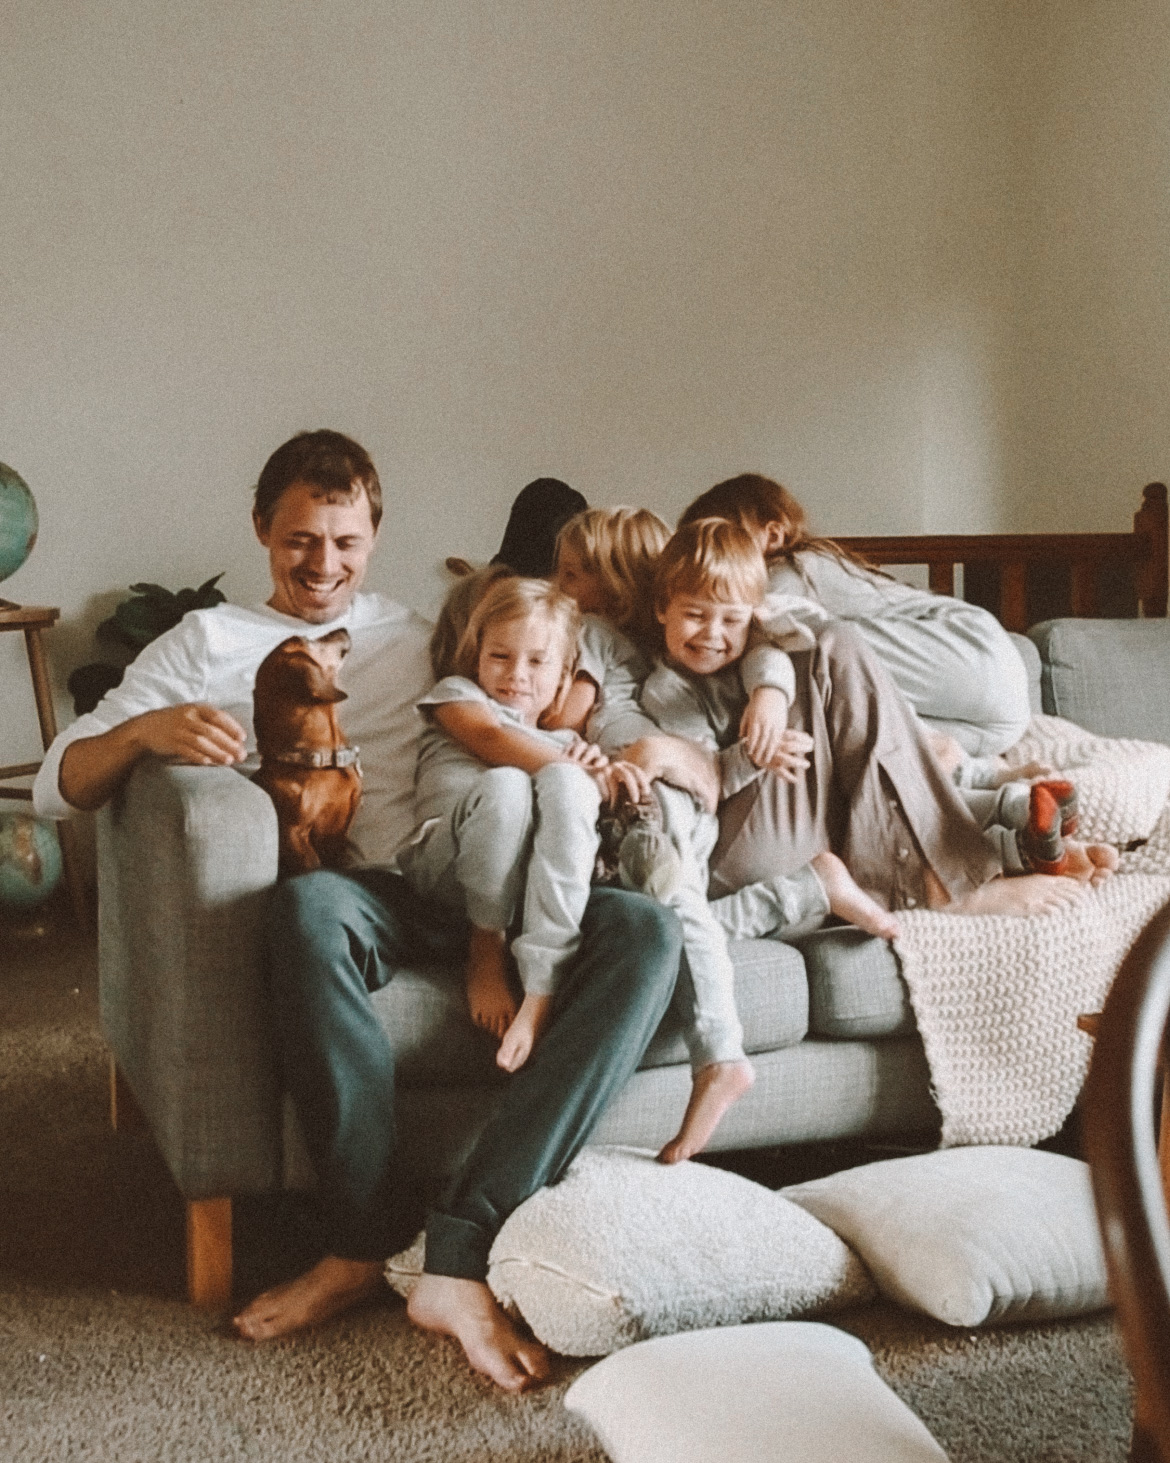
(186, 856)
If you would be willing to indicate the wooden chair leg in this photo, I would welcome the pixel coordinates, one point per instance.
(209, 1253)
(125, 1114)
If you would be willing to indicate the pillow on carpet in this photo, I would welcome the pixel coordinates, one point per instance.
(625, 1247)
(788, 1389)
(971, 1235)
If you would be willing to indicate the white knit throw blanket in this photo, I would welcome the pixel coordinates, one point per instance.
(997, 998)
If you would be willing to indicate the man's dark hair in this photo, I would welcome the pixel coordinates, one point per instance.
(329, 462)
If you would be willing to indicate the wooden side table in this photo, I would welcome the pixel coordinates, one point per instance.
(32, 619)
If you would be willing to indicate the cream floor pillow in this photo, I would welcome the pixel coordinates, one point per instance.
(791, 1390)
(624, 1248)
(971, 1235)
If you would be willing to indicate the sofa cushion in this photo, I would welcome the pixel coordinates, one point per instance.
(424, 1012)
(1031, 658)
(855, 990)
(771, 996)
(1109, 676)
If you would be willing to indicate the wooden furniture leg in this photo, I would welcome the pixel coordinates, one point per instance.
(43, 695)
(125, 1114)
(209, 1221)
(209, 1253)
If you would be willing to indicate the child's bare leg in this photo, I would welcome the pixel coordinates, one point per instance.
(715, 1087)
(849, 901)
(489, 986)
(524, 1032)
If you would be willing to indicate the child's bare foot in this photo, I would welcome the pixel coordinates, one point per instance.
(714, 1089)
(1090, 863)
(849, 901)
(947, 752)
(490, 998)
(329, 1288)
(524, 1032)
(467, 1310)
(1022, 895)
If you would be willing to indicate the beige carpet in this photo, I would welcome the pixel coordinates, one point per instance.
(100, 1358)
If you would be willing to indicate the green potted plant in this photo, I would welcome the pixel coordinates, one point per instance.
(137, 621)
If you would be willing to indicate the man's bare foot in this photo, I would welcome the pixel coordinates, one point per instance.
(490, 997)
(524, 1032)
(713, 1090)
(1023, 895)
(1091, 863)
(849, 901)
(467, 1310)
(329, 1288)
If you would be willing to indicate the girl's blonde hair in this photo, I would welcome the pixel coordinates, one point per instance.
(513, 598)
(620, 546)
(753, 501)
(462, 598)
(711, 556)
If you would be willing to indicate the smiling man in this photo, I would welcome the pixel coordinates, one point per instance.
(333, 938)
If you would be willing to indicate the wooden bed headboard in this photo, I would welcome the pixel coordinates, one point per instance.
(1023, 578)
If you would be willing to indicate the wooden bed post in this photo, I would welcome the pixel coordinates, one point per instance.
(209, 1253)
(1152, 521)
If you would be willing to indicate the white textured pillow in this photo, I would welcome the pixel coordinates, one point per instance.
(971, 1235)
(624, 1248)
(787, 1389)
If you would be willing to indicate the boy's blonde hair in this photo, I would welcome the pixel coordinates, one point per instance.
(621, 546)
(711, 556)
(462, 598)
(513, 598)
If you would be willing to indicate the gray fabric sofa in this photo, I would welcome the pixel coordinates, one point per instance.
(186, 856)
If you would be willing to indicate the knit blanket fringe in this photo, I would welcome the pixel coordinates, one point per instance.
(997, 998)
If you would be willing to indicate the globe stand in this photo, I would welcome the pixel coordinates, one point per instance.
(32, 620)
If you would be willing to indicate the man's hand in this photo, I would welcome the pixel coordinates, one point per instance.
(197, 734)
(93, 768)
(764, 724)
(681, 763)
(791, 756)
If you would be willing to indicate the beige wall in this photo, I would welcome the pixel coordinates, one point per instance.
(1092, 422)
(904, 256)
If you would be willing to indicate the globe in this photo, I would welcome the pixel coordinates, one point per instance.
(30, 861)
(18, 521)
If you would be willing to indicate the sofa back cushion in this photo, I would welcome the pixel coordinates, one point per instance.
(1109, 676)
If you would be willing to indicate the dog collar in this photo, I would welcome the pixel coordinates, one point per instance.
(321, 757)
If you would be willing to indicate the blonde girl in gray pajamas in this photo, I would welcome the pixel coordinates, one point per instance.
(507, 812)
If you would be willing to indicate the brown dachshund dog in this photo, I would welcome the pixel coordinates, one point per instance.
(306, 768)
